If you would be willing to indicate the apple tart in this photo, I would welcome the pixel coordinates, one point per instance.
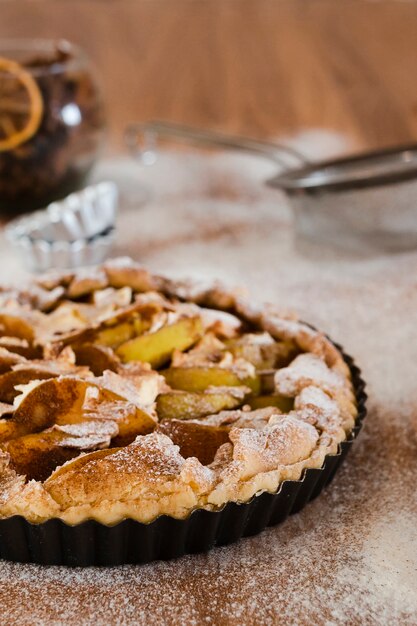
(125, 395)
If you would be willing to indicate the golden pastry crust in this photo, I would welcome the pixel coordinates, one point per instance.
(145, 400)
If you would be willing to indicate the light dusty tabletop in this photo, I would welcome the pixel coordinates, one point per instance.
(350, 557)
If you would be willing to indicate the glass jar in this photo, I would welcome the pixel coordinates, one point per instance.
(51, 122)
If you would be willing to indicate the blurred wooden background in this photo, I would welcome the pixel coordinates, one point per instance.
(261, 67)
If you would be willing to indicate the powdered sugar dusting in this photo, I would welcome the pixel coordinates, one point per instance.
(314, 397)
(305, 370)
(350, 556)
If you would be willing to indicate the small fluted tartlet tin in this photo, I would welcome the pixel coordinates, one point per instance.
(73, 232)
(91, 543)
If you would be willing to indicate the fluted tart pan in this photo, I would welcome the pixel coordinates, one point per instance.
(92, 543)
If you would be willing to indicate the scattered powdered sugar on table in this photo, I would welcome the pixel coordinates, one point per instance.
(350, 557)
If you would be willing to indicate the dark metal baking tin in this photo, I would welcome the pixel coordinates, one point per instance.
(92, 543)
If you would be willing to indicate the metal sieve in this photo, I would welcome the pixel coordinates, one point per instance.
(365, 202)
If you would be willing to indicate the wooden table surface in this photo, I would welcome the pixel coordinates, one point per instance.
(261, 67)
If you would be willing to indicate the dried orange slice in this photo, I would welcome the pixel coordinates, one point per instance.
(21, 105)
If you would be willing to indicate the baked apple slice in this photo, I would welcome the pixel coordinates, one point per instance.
(37, 455)
(262, 350)
(188, 405)
(10, 380)
(16, 326)
(19, 347)
(195, 439)
(63, 401)
(282, 403)
(157, 347)
(114, 330)
(199, 378)
(97, 357)
(76, 464)
(9, 429)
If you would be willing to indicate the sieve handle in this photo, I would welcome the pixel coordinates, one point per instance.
(142, 141)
